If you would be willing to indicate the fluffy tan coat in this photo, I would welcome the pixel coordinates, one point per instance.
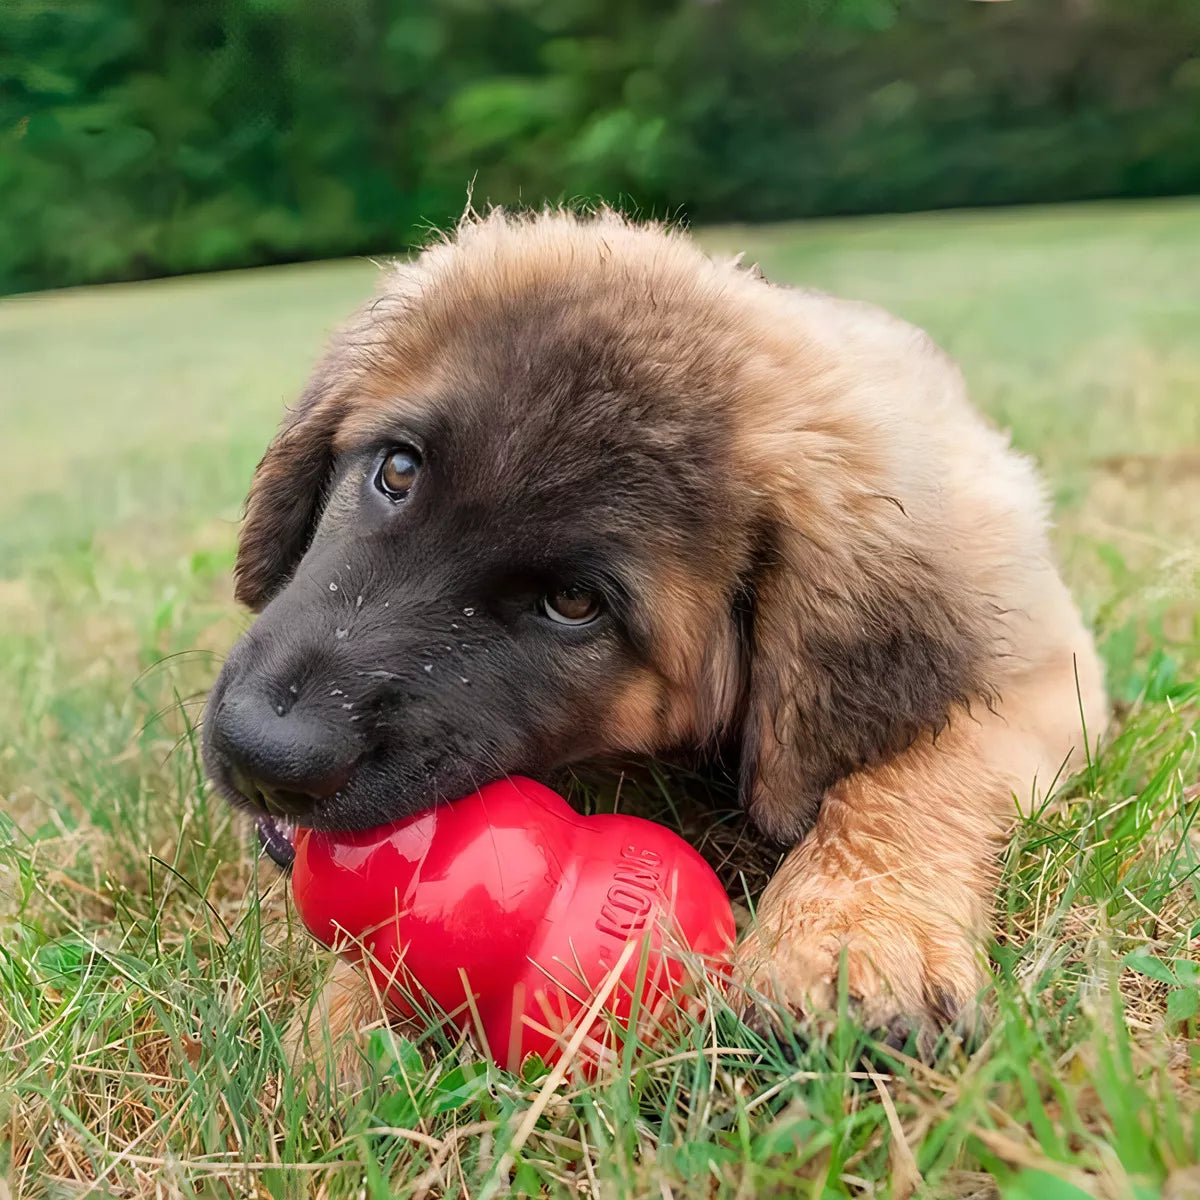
(917, 668)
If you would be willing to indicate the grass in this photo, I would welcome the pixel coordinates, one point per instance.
(148, 962)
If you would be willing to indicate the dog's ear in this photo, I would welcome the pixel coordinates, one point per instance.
(855, 649)
(286, 495)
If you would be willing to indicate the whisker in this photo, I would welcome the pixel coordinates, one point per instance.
(166, 658)
(179, 703)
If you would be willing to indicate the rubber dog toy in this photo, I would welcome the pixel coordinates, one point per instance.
(518, 917)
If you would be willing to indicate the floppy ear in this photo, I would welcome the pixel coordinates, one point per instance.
(855, 650)
(286, 496)
(288, 493)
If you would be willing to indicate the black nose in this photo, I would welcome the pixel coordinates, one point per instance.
(285, 759)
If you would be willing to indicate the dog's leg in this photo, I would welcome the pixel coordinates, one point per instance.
(898, 873)
(331, 1031)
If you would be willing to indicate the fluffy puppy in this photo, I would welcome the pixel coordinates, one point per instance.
(568, 488)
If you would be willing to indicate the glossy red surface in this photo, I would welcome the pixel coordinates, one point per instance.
(512, 891)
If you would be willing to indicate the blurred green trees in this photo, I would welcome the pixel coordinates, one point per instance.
(143, 137)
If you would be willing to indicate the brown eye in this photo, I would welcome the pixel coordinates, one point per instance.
(398, 472)
(571, 606)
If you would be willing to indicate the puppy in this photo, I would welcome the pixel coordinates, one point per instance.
(567, 488)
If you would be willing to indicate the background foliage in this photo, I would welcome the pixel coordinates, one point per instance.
(146, 137)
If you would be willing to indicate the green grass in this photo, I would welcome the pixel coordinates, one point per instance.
(148, 963)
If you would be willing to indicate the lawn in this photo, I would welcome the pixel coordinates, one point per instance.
(148, 961)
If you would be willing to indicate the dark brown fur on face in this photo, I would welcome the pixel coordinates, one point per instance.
(585, 413)
(811, 553)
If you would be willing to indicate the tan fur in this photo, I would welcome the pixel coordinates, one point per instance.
(327, 1033)
(898, 518)
(691, 693)
(899, 869)
(898, 872)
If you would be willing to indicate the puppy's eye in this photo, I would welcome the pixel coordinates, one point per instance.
(398, 472)
(571, 606)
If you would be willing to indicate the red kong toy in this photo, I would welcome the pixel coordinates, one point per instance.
(512, 892)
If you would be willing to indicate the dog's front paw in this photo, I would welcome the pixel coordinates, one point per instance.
(902, 982)
(325, 1039)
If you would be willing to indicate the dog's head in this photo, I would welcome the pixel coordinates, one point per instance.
(567, 488)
